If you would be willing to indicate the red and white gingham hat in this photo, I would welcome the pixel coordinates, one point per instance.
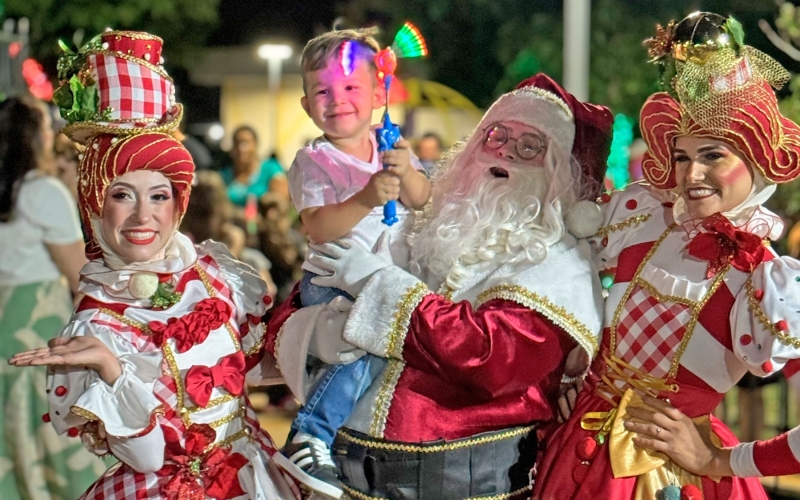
(133, 92)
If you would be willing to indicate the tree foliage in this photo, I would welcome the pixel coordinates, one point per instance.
(183, 24)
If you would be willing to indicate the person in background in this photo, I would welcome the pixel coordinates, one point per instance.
(40, 244)
(67, 163)
(429, 150)
(282, 244)
(248, 174)
(209, 217)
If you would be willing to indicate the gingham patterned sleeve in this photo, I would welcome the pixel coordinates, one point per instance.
(127, 409)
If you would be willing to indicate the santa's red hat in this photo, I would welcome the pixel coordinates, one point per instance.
(591, 131)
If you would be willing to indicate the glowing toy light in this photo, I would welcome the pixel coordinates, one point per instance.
(407, 43)
(347, 58)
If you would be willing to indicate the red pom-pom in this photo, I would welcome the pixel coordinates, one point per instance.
(73, 432)
(46, 417)
(587, 448)
(767, 367)
(605, 198)
(604, 241)
(745, 339)
(267, 300)
(758, 295)
(691, 492)
(781, 325)
(61, 391)
(163, 278)
(579, 473)
(631, 204)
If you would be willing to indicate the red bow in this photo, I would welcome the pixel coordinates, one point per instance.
(228, 373)
(723, 244)
(196, 473)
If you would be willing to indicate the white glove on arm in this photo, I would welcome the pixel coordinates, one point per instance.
(347, 265)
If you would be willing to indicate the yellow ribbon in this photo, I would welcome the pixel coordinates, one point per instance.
(654, 470)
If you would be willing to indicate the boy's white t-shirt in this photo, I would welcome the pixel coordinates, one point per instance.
(323, 175)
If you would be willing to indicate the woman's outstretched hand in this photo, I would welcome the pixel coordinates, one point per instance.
(89, 352)
(668, 430)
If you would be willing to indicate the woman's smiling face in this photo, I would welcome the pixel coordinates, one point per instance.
(711, 176)
(139, 215)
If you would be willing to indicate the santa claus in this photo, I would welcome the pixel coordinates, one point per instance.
(500, 290)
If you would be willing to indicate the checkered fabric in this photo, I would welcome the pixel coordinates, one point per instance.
(212, 271)
(649, 331)
(127, 332)
(121, 481)
(131, 90)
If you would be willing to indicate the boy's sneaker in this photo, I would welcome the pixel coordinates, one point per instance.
(308, 459)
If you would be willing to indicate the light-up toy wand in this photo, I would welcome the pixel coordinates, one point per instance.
(407, 43)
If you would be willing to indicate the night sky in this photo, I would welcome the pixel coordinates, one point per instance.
(245, 21)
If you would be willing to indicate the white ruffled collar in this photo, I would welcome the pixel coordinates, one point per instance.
(749, 216)
(102, 281)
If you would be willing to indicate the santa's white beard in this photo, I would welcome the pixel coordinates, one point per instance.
(479, 220)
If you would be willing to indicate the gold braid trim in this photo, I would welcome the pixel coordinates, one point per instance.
(227, 398)
(256, 347)
(436, 448)
(557, 314)
(94, 128)
(619, 226)
(83, 413)
(402, 317)
(141, 62)
(752, 303)
(227, 418)
(158, 411)
(391, 374)
(229, 440)
(502, 496)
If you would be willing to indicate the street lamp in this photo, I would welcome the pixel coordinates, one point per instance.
(274, 54)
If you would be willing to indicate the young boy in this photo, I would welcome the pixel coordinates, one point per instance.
(338, 186)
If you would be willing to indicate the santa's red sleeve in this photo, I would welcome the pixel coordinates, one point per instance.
(498, 347)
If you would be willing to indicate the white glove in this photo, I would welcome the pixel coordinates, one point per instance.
(327, 343)
(347, 265)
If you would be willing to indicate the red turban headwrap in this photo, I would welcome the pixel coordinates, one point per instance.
(108, 157)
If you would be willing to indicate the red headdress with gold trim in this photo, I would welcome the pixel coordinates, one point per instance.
(718, 88)
(120, 103)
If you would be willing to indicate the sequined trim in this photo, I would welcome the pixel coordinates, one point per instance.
(257, 347)
(227, 418)
(436, 448)
(227, 398)
(133, 35)
(391, 374)
(245, 432)
(158, 411)
(547, 96)
(402, 317)
(784, 337)
(557, 314)
(619, 226)
(94, 128)
(357, 495)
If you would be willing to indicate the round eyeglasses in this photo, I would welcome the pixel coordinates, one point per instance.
(528, 145)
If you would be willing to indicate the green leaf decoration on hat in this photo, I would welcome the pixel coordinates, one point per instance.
(77, 97)
(735, 30)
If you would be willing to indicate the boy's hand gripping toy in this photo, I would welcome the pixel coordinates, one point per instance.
(407, 43)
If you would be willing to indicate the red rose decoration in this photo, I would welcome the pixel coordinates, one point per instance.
(216, 310)
(194, 473)
(174, 328)
(723, 244)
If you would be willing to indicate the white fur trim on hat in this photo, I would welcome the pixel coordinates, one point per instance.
(537, 108)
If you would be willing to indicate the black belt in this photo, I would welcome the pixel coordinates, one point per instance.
(493, 465)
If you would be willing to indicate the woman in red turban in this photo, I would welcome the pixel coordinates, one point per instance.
(698, 298)
(152, 366)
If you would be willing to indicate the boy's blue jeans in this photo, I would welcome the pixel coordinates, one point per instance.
(333, 398)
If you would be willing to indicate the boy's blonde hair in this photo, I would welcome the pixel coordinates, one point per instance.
(319, 51)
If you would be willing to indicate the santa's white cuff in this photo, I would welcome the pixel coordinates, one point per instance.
(379, 320)
(742, 462)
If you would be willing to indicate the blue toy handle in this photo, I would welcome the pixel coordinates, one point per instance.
(387, 135)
